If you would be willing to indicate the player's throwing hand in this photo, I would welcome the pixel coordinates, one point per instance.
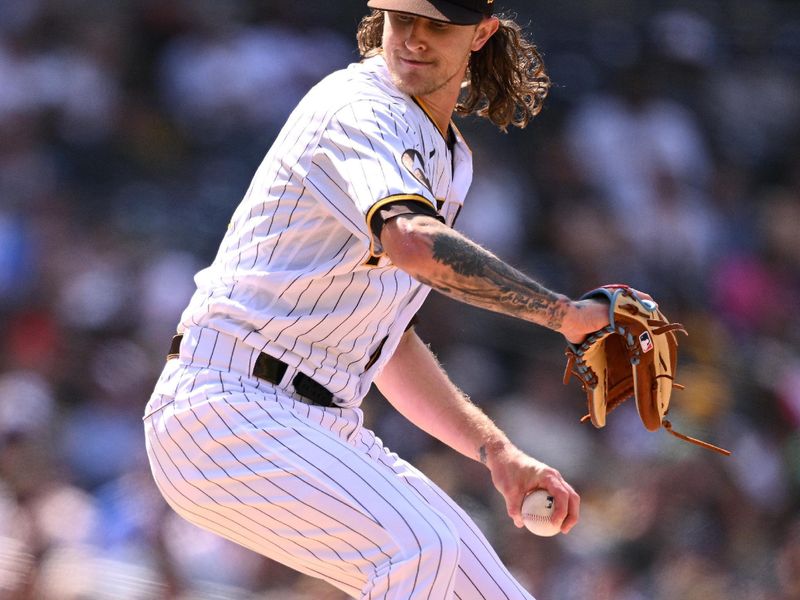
(515, 474)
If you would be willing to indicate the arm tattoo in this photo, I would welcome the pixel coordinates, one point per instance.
(482, 454)
(477, 277)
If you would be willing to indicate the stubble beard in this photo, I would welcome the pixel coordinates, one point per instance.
(422, 87)
(418, 89)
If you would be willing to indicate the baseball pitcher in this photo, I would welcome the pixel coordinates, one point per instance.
(254, 430)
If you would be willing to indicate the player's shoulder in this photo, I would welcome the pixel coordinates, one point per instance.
(367, 82)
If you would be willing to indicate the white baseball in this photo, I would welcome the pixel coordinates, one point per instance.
(537, 513)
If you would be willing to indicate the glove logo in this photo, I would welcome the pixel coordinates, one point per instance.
(646, 342)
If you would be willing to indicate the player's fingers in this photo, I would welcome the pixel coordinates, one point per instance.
(514, 507)
(561, 503)
(573, 511)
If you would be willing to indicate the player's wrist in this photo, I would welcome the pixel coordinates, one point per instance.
(569, 310)
(496, 451)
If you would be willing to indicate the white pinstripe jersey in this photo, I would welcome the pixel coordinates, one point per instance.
(299, 274)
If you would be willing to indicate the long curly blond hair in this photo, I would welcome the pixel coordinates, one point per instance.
(506, 79)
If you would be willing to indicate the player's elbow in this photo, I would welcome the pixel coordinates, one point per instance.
(407, 240)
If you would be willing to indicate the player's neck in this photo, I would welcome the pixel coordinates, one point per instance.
(439, 106)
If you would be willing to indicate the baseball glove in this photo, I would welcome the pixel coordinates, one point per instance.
(635, 356)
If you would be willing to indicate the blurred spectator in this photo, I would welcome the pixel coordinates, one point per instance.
(646, 155)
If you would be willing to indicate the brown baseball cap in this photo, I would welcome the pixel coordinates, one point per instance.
(458, 12)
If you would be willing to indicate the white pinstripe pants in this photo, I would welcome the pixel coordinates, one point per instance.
(311, 488)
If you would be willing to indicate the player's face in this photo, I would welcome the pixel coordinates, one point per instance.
(426, 56)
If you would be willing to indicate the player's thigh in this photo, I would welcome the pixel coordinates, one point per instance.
(481, 573)
(282, 479)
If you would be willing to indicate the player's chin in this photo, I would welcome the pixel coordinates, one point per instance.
(414, 83)
(414, 86)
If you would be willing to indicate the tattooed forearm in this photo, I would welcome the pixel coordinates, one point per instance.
(477, 277)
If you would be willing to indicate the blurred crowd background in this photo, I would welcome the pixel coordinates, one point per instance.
(667, 157)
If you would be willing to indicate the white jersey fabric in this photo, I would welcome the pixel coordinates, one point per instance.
(299, 274)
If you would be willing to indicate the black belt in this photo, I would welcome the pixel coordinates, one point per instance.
(271, 369)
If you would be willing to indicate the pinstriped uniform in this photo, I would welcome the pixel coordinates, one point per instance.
(292, 276)
(301, 277)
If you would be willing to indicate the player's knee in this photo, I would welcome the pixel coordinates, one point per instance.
(437, 553)
(432, 549)
(446, 546)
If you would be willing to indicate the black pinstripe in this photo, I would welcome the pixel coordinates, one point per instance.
(487, 551)
(359, 476)
(347, 457)
(364, 356)
(223, 530)
(340, 326)
(300, 295)
(299, 517)
(256, 523)
(369, 484)
(379, 329)
(389, 503)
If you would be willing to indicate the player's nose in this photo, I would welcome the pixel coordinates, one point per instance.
(415, 36)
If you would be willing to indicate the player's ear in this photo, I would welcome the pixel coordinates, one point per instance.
(485, 29)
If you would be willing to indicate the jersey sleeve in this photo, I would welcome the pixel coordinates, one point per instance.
(367, 158)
